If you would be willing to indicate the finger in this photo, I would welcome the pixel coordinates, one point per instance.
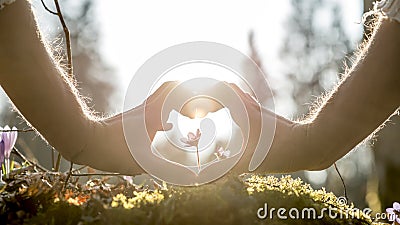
(167, 126)
(238, 90)
(246, 97)
(163, 90)
(167, 87)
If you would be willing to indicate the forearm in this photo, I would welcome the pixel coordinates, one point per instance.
(363, 101)
(40, 91)
(35, 83)
(108, 150)
(367, 96)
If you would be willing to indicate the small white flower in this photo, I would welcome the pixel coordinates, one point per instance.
(193, 140)
(222, 153)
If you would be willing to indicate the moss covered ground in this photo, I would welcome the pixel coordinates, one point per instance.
(43, 198)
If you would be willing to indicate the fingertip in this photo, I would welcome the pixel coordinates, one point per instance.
(167, 126)
(252, 166)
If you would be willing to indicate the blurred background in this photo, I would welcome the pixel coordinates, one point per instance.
(301, 45)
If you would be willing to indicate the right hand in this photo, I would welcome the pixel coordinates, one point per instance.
(292, 148)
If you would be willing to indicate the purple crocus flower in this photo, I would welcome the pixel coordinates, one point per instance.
(394, 213)
(9, 138)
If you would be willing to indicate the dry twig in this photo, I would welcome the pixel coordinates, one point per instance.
(19, 154)
(70, 70)
(341, 178)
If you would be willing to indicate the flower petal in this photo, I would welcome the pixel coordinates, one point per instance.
(220, 151)
(187, 143)
(191, 136)
(128, 178)
(1, 152)
(6, 140)
(13, 138)
(227, 153)
(9, 139)
(390, 210)
(198, 134)
(396, 206)
(391, 217)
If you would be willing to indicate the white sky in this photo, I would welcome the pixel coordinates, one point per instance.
(132, 31)
(146, 27)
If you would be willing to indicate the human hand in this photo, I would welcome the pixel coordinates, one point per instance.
(292, 148)
(155, 116)
(254, 123)
(288, 135)
(280, 140)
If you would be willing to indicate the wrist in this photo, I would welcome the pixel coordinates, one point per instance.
(310, 148)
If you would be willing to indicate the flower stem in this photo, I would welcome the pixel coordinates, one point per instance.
(198, 157)
(7, 165)
(1, 174)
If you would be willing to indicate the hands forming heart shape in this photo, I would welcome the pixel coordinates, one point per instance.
(232, 114)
